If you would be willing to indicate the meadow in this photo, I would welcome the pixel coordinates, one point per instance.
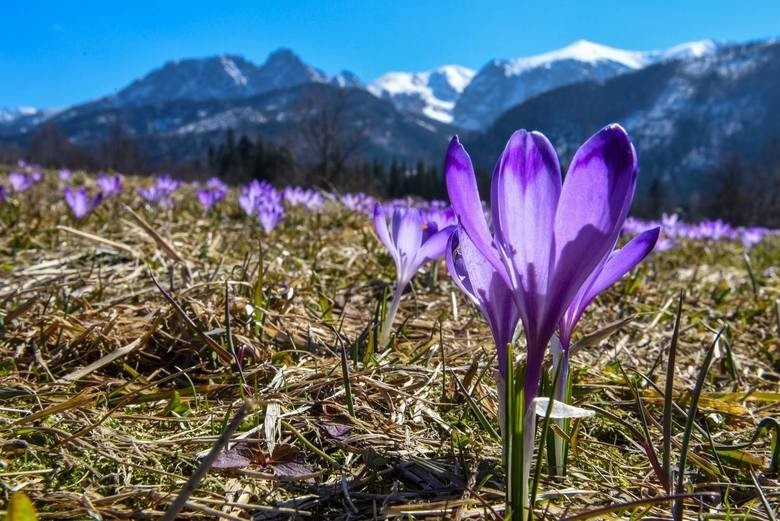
(134, 338)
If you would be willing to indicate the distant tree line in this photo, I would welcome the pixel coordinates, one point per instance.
(238, 160)
(50, 146)
(739, 191)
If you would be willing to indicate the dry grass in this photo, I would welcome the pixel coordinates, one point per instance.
(108, 396)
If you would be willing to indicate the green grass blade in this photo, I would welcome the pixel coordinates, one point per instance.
(686, 439)
(480, 416)
(345, 379)
(647, 443)
(666, 455)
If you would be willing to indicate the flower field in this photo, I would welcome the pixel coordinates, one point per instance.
(147, 322)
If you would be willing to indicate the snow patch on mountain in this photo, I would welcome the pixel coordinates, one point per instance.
(582, 51)
(684, 51)
(432, 93)
(232, 70)
(8, 114)
(228, 119)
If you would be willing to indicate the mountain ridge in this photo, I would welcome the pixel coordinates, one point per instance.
(685, 117)
(436, 93)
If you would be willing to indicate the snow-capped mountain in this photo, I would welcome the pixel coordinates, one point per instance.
(8, 114)
(502, 84)
(222, 77)
(430, 93)
(21, 119)
(685, 117)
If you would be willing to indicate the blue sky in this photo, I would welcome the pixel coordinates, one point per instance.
(64, 52)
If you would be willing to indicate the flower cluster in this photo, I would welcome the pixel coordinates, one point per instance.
(80, 202)
(411, 241)
(25, 177)
(110, 185)
(214, 192)
(306, 197)
(261, 200)
(358, 202)
(674, 230)
(160, 192)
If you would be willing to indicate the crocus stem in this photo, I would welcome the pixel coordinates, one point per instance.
(519, 437)
(384, 332)
(561, 368)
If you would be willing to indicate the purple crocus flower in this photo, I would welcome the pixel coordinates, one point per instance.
(80, 202)
(209, 198)
(664, 244)
(297, 196)
(441, 216)
(217, 184)
(751, 236)
(410, 248)
(214, 192)
(167, 184)
(20, 181)
(110, 185)
(252, 194)
(261, 200)
(358, 202)
(270, 214)
(550, 236)
(160, 192)
(64, 174)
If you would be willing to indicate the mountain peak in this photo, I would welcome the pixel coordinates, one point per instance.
(695, 49)
(283, 54)
(346, 79)
(432, 93)
(283, 68)
(582, 51)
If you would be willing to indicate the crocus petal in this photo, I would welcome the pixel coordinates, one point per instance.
(69, 197)
(380, 226)
(524, 192)
(457, 268)
(435, 246)
(618, 264)
(594, 203)
(611, 270)
(407, 236)
(477, 278)
(464, 196)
